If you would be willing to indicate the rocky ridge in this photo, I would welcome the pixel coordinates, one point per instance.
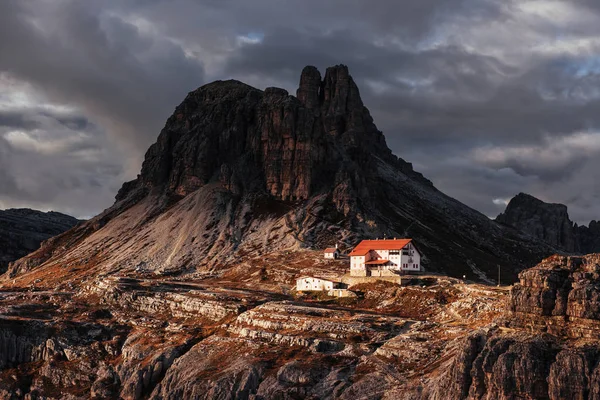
(551, 224)
(560, 296)
(23, 230)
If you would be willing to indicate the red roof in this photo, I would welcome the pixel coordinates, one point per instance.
(365, 246)
(377, 262)
(330, 250)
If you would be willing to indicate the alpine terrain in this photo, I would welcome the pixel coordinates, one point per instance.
(185, 287)
(237, 171)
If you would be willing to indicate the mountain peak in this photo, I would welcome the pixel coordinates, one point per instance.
(545, 221)
(310, 87)
(22, 230)
(238, 172)
(249, 141)
(525, 198)
(340, 93)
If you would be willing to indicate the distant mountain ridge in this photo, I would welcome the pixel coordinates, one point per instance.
(550, 222)
(23, 230)
(237, 171)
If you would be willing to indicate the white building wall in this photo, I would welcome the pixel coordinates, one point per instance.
(357, 266)
(357, 262)
(412, 260)
(379, 254)
(395, 257)
(309, 284)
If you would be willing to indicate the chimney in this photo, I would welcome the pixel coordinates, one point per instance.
(336, 245)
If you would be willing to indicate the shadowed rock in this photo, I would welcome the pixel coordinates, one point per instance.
(23, 230)
(551, 224)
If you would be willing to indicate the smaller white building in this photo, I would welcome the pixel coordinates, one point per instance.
(332, 252)
(311, 283)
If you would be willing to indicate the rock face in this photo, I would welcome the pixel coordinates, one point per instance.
(551, 224)
(551, 348)
(560, 296)
(251, 141)
(547, 222)
(588, 237)
(23, 230)
(126, 338)
(239, 171)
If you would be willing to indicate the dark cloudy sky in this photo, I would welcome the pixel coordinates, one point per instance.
(486, 97)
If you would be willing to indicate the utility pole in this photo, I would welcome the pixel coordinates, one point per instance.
(498, 275)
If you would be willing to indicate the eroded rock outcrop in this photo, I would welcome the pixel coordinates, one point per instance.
(320, 329)
(179, 301)
(548, 344)
(560, 296)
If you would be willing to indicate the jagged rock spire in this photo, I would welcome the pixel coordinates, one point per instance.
(310, 84)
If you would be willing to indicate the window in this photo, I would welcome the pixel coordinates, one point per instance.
(394, 252)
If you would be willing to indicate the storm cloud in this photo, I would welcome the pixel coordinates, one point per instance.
(487, 98)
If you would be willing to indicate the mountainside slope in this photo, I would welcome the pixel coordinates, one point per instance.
(237, 171)
(23, 230)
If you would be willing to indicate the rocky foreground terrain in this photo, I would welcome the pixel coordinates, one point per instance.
(23, 230)
(434, 337)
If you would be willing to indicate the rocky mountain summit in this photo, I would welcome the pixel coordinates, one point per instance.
(545, 221)
(237, 171)
(23, 230)
(550, 223)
